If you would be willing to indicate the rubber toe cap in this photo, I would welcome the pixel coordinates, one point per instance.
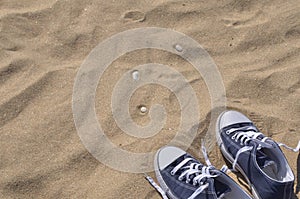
(232, 117)
(167, 155)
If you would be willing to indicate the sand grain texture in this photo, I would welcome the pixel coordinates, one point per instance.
(256, 45)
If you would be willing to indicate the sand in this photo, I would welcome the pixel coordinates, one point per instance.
(255, 44)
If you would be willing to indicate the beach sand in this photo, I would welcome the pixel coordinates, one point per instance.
(255, 44)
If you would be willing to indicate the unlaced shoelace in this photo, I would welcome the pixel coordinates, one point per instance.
(191, 171)
(247, 134)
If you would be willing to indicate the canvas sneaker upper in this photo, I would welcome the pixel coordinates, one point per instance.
(183, 177)
(256, 156)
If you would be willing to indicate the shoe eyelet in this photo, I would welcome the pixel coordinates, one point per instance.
(172, 173)
(180, 178)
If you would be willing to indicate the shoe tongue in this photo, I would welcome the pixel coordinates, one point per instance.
(266, 164)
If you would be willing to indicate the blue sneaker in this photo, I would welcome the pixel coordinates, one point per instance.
(183, 177)
(257, 157)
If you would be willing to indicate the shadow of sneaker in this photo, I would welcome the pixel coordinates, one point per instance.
(298, 174)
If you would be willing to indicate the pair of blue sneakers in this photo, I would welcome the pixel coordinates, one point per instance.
(258, 158)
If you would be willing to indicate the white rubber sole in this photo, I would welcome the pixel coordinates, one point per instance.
(231, 159)
(160, 180)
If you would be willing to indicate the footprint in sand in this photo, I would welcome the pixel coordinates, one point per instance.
(293, 35)
(135, 16)
(246, 20)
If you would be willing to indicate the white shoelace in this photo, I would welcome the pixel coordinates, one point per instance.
(156, 186)
(198, 171)
(192, 172)
(248, 133)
